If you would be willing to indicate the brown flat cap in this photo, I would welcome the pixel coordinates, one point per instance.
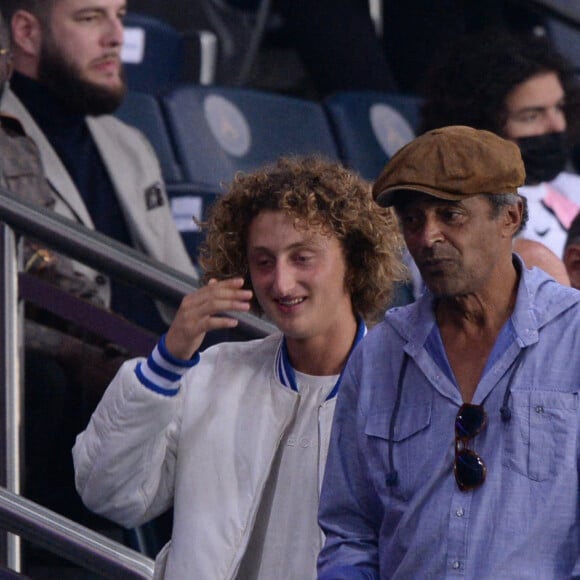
(452, 163)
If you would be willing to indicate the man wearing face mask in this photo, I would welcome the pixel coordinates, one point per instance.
(521, 88)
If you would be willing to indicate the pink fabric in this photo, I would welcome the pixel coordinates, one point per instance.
(564, 209)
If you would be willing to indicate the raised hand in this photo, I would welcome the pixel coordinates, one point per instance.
(198, 313)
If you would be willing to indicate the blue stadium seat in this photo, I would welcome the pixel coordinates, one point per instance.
(153, 54)
(371, 126)
(218, 131)
(190, 206)
(566, 39)
(142, 110)
(408, 105)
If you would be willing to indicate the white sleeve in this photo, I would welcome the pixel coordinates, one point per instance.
(125, 459)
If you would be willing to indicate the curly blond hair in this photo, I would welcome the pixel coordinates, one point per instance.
(318, 194)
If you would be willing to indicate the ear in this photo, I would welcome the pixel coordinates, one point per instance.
(512, 218)
(572, 263)
(26, 36)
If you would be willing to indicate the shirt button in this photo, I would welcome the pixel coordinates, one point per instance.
(460, 513)
(540, 409)
(456, 565)
(100, 280)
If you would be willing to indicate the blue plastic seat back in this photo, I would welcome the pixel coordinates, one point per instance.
(153, 54)
(370, 127)
(566, 40)
(408, 105)
(143, 111)
(218, 131)
(190, 206)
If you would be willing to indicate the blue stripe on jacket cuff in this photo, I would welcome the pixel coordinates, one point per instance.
(152, 386)
(162, 371)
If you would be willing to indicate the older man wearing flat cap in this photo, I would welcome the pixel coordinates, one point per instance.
(455, 445)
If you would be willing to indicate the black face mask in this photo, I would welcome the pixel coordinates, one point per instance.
(544, 156)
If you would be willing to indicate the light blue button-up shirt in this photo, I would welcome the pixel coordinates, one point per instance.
(523, 521)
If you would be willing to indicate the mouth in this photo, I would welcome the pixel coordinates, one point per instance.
(108, 64)
(289, 302)
(434, 261)
(434, 264)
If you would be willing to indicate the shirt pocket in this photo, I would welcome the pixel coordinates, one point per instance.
(408, 448)
(540, 437)
(24, 179)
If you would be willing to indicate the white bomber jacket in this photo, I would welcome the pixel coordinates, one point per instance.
(208, 450)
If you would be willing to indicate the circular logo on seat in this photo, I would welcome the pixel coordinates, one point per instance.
(228, 125)
(391, 129)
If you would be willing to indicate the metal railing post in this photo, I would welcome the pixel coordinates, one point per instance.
(11, 386)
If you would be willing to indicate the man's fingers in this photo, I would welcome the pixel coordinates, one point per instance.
(219, 296)
(202, 311)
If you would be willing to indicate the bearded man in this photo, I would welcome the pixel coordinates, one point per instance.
(68, 78)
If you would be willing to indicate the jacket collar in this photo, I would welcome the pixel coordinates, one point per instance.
(286, 374)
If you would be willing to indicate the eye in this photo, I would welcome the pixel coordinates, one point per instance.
(88, 18)
(261, 262)
(303, 258)
(530, 117)
(409, 221)
(451, 214)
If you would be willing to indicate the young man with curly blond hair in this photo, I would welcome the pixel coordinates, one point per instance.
(235, 438)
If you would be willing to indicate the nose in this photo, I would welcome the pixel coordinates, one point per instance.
(283, 279)
(114, 33)
(430, 233)
(556, 121)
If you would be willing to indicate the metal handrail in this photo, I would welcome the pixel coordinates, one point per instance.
(11, 391)
(71, 540)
